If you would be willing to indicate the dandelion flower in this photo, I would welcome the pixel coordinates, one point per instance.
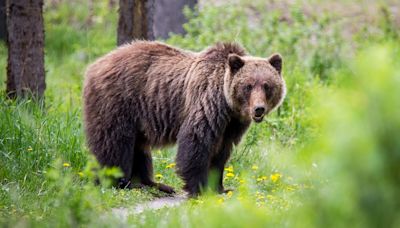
(229, 194)
(159, 176)
(170, 166)
(275, 177)
(262, 178)
(229, 169)
(230, 174)
(254, 167)
(66, 164)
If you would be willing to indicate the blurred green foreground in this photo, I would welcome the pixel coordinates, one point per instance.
(330, 156)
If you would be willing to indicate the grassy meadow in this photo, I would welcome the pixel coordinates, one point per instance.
(328, 157)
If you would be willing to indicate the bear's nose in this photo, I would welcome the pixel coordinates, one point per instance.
(259, 111)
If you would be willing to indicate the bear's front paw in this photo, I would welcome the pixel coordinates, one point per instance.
(165, 188)
(192, 192)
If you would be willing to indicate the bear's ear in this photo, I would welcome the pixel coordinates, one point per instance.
(235, 63)
(276, 61)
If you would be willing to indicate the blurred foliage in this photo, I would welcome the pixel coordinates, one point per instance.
(358, 146)
(314, 41)
(328, 157)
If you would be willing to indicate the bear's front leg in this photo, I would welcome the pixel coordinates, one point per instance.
(196, 141)
(218, 164)
(193, 160)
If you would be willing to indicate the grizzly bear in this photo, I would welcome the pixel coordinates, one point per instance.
(148, 94)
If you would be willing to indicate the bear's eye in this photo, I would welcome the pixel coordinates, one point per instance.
(268, 90)
(248, 87)
(266, 87)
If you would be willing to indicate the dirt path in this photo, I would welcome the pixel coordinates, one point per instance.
(155, 204)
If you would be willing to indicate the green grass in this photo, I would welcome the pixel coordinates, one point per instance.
(328, 157)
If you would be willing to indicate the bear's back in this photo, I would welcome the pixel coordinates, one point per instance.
(149, 78)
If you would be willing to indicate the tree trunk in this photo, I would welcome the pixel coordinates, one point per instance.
(150, 19)
(169, 17)
(135, 20)
(25, 69)
(3, 25)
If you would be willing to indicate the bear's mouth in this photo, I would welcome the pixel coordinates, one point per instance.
(258, 119)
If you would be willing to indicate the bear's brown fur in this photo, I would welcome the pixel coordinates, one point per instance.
(148, 94)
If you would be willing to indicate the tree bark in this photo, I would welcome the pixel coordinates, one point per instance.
(25, 69)
(3, 25)
(150, 19)
(169, 17)
(135, 20)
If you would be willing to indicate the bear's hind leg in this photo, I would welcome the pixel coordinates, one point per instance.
(125, 165)
(125, 146)
(143, 169)
(115, 150)
(112, 141)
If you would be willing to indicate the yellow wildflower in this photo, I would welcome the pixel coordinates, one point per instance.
(230, 175)
(159, 176)
(229, 194)
(229, 169)
(29, 148)
(66, 164)
(170, 166)
(262, 178)
(254, 167)
(275, 177)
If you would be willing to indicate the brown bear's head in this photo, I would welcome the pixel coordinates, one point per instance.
(254, 86)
